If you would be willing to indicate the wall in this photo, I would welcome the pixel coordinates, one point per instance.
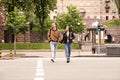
(94, 9)
(114, 32)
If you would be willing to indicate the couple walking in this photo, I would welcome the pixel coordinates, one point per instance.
(54, 37)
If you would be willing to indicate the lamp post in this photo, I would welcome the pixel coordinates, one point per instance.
(99, 38)
(79, 36)
(101, 10)
(96, 24)
(79, 31)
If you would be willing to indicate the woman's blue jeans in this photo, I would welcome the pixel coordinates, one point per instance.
(67, 49)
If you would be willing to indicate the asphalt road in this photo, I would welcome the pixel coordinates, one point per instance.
(81, 68)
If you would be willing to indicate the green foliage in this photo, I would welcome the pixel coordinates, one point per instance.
(47, 26)
(42, 9)
(72, 18)
(24, 46)
(114, 23)
(48, 23)
(118, 5)
(32, 8)
(16, 21)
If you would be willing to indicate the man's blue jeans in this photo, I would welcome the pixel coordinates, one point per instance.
(67, 49)
(53, 46)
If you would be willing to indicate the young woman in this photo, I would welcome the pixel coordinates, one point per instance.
(54, 36)
(68, 37)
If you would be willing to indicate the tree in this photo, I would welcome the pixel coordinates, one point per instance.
(118, 5)
(16, 23)
(72, 18)
(42, 9)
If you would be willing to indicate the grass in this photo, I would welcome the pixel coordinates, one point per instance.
(29, 46)
(114, 23)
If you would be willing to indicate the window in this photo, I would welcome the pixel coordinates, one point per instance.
(88, 17)
(95, 3)
(88, 4)
(95, 10)
(95, 17)
(81, 4)
(107, 17)
(101, 17)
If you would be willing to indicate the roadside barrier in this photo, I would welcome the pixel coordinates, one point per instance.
(0, 53)
(11, 53)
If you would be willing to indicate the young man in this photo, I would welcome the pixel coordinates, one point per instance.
(54, 36)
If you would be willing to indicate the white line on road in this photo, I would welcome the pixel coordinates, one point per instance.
(38, 78)
(39, 75)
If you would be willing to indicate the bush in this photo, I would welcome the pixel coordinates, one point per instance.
(114, 23)
(22, 46)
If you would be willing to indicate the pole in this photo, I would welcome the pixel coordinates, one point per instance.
(0, 53)
(98, 41)
(11, 53)
(15, 44)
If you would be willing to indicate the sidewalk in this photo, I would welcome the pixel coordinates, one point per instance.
(47, 53)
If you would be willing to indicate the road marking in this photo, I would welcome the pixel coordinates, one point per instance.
(39, 75)
(38, 78)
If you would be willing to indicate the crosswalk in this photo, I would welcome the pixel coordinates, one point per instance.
(84, 68)
(39, 75)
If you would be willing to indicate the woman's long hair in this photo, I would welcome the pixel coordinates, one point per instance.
(69, 29)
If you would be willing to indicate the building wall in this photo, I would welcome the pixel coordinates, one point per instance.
(114, 33)
(23, 37)
(34, 37)
(94, 9)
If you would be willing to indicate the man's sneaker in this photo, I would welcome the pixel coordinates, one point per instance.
(68, 61)
(52, 60)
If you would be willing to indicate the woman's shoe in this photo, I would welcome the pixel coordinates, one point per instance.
(52, 60)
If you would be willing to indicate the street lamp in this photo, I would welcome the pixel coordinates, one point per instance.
(78, 26)
(79, 31)
(79, 35)
(97, 25)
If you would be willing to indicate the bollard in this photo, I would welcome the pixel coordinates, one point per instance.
(0, 53)
(11, 53)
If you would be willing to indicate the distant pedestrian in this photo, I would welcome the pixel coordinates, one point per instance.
(68, 37)
(54, 36)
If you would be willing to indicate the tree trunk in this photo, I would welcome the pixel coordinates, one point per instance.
(24, 38)
(14, 43)
(42, 29)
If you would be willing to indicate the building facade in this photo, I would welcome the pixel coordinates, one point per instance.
(101, 10)
(91, 9)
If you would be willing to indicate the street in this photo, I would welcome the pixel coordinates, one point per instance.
(80, 68)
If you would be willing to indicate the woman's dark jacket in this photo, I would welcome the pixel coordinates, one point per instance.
(67, 39)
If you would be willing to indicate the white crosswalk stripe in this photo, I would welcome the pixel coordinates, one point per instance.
(39, 75)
